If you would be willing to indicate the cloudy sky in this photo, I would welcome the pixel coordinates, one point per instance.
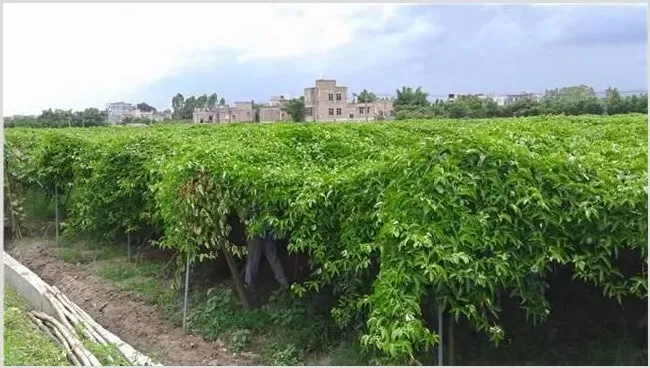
(84, 55)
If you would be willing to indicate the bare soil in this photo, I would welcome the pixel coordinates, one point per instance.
(143, 326)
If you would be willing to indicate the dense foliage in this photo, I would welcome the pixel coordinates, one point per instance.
(395, 217)
(183, 108)
(60, 119)
(576, 100)
(296, 109)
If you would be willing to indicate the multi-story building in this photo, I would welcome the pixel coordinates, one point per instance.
(327, 101)
(118, 111)
(324, 102)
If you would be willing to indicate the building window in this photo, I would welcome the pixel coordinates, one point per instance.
(351, 116)
(310, 111)
(339, 111)
(330, 111)
(331, 97)
(361, 110)
(368, 110)
(338, 97)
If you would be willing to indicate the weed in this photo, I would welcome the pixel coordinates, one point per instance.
(289, 355)
(240, 340)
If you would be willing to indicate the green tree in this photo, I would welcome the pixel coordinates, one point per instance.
(188, 109)
(222, 102)
(409, 97)
(178, 106)
(202, 102)
(296, 109)
(143, 106)
(573, 100)
(212, 101)
(613, 102)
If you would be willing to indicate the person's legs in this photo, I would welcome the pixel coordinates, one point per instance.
(253, 261)
(270, 252)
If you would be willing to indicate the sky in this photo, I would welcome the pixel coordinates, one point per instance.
(73, 56)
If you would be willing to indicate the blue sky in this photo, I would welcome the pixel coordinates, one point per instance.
(149, 52)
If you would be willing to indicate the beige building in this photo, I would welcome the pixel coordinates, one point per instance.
(324, 102)
(240, 113)
(328, 102)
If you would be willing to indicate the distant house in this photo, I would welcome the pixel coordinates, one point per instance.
(324, 102)
(118, 111)
(241, 112)
(327, 101)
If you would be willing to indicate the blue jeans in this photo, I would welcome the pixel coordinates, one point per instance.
(256, 248)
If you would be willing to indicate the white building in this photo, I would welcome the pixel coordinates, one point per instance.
(118, 111)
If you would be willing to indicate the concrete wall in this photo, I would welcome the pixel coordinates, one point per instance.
(34, 290)
(244, 111)
(268, 114)
(28, 284)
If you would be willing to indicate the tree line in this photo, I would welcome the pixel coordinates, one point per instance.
(90, 117)
(183, 108)
(575, 100)
(409, 103)
(61, 119)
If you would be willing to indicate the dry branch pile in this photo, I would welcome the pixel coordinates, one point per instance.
(72, 326)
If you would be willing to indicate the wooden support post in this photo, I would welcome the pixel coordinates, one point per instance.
(236, 278)
(128, 245)
(187, 287)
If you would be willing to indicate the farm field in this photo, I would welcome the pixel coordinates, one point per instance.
(494, 221)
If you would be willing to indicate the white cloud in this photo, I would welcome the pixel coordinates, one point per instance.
(80, 55)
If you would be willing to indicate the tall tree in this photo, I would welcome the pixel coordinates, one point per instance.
(143, 106)
(613, 102)
(202, 102)
(222, 102)
(296, 109)
(188, 109)
(409, 97)
(212, 101)
(178, 106)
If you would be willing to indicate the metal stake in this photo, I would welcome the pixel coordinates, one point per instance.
(187, 284)
(56, 213)
(128, 245)
(450, 343)
(440, 334)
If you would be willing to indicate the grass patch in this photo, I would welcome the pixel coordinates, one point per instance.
(108, 355)
(144, 278)
(25, 344)
(286, 330)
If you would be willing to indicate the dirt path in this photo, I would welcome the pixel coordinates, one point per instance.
(143, 326)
